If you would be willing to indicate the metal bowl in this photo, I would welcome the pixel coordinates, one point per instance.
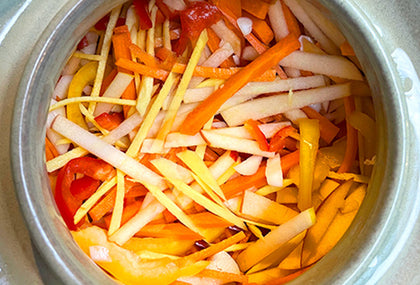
(367, 250)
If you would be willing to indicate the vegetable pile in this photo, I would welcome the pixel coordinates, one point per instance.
(210, 142)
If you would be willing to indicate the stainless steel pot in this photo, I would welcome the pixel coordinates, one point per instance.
(367, 250)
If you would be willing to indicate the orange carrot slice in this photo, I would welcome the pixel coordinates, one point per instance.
(255, 7)
(292, 23)
(226, 277)
(346, 49)
(51, 151)
(209, 220)
(173, 230)
(327, 129)
(207, 108)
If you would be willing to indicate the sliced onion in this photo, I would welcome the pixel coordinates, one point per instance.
(62, 87)
(245, 25)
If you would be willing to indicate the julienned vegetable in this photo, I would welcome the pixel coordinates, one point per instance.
(210, 142)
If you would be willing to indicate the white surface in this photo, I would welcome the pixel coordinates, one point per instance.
(17, 265)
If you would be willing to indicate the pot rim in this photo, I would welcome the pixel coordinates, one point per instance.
(55, 244)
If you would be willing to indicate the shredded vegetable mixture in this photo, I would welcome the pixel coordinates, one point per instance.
(210, 142)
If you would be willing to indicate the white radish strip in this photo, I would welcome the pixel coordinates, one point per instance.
(249, 166)
(232, 143)
(292, 72)
(89, 49)
(107, 152)
(62, 87)
(240, 132)
(197, 94)
(131, 19)
(277, 104)
(178, 140)
(323, 23)
(273, 171)
(72, 66)
(99, 253)
(147, 147)
(214, 60)
(245, 25)
(218, 125)
(254, 89)
(124, 128)
(227, 35)
(295, 115)
(312, 28)
(142, 218)
(331, 65)
(277, 21)
(249, 53)
(177, 5)
(54, 139)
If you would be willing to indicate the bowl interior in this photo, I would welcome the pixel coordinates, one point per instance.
(359, 256)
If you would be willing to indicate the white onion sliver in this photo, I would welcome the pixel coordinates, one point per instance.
(62, 87)
(249, 166)
(245, 25)
(273, 171)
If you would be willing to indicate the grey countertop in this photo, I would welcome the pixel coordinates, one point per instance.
(397, 21)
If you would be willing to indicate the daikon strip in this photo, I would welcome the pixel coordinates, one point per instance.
(277, 21)
(227, 35)
(326, 26)
(331, 65)
(273, 171)
(107, 152)
(232, 143)
(115, 90)
(254, 89)
(313, 29)
(62, 87)
(142, 218)
(277, 104)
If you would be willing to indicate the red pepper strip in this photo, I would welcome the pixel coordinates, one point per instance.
(84, 187)
(144, 17)
(194, 20)
(109, 121)
(252, 127)
(66, 202)
(278, 141)
(166, 11)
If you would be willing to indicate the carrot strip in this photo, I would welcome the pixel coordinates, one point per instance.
(288, 278)
(234, 6)
(174, 230)
(252, 127)
(207, 108)
(213, 249)
(292, 23)
(169, 217)
(150, 71)
(242, 183)
(346, 49)
(278, 141)
(226, 277)
(289, 160)
(129, 211)
(121, 41)
(261, 29)
(352, 142)
(109, 121)
(143, 56)
(256, 8)
(51, 151)
(209, 220)
(327, 128)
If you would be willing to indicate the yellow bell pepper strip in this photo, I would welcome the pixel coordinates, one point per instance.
(309, 141)
(83, 77)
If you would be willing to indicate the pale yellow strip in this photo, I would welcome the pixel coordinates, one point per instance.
(89, 203)
(179, 94)
(106, 46)
(239, 246)
(87, 99)
(91, 119)
(256, 231)
(228, 173)
(268, 189)
(119, 204)
(146, 90)
(61, 160)
(94, 57)
(166, 35)
(212, 82)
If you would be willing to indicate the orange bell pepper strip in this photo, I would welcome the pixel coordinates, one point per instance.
(278, 141)
(207, 108)
(252, 127)
(328, 130)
